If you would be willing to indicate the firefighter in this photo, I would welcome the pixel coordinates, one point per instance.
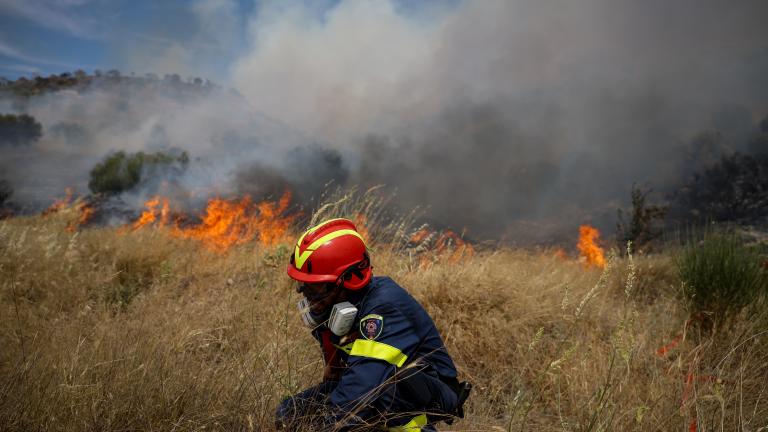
(385, 363)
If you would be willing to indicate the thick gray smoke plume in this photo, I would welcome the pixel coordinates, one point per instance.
(517, 119)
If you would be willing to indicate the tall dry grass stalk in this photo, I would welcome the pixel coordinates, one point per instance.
(141, 331)
(372, 213)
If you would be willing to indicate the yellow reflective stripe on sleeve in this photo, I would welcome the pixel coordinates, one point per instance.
(412, 426)
(301, 258)
(379, 351)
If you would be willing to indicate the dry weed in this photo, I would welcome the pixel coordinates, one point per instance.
(141, 331)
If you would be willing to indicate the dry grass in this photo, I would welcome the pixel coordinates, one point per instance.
(140, 331)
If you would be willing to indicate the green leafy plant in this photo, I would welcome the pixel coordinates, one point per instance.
(120, 171)
(721, 274)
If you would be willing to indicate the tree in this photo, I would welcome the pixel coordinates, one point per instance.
(120, 172)
(19, 129)
(643, 225)
(734, 189)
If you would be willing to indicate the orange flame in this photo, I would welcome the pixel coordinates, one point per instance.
(272, 224)
(60, 204)
(154, 209)
(450, 242)
(420, 235)
(225, 223)
(560, 253)
(448, 246)
(588, 248)
(86, 212)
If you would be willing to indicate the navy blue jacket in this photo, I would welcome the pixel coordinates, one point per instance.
(392, 331)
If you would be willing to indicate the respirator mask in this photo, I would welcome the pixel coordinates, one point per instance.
(340, 318)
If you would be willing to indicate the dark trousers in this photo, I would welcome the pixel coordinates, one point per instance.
(416, 391)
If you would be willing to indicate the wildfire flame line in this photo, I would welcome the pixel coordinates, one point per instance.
(86, 213)
(84, 209)
(60, 204)
(150, 215)
(224, 223)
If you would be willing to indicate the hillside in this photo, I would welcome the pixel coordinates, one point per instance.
(80, 81)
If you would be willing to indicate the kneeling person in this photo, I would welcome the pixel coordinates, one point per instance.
(385, 362)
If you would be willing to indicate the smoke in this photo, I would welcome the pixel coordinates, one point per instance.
(501, 115)
(517, 119)
(218, 129)
(197, 40)
(306, 172)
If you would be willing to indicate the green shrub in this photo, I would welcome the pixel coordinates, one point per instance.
(721, 274)
(121, 172)
(19, 129)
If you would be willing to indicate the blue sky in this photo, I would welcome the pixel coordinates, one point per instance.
(200, 37)
(50, 36)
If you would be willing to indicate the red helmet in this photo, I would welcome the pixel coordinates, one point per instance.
(331, 252)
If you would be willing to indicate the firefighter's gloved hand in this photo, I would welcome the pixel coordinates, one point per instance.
(304, 407)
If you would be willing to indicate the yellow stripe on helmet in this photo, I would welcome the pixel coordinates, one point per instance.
(301, 257)
(315, 228)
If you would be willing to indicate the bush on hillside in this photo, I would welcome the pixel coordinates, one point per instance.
(19, 129)
(721, 274)
(734, 189)
(120, 172)
(723, 185)
(29, 87)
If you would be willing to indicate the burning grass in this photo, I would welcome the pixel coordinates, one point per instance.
(588, 247)
(225, 223)
(150, 330)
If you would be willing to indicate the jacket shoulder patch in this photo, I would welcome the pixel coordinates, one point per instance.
(371, 326)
